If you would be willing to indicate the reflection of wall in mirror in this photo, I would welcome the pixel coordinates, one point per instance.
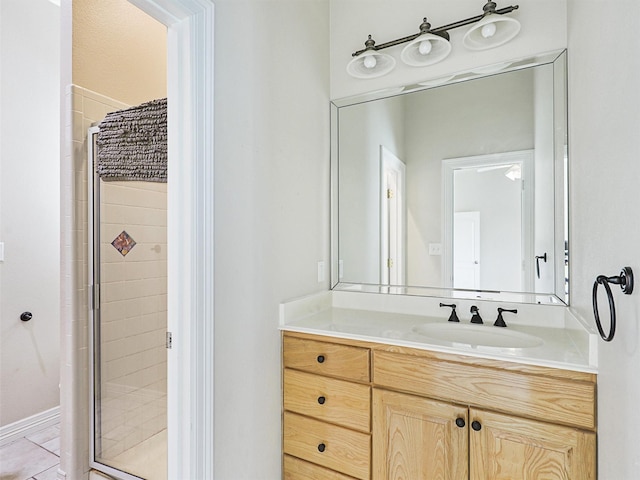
(489, 115)
(544, 179)
(378, 123)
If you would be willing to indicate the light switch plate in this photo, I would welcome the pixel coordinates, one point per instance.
(320, 271)
(435, 249)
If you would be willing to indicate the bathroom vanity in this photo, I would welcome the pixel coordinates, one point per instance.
(429, 211)
(365, 396)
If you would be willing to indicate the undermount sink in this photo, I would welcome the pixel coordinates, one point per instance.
(477, 335)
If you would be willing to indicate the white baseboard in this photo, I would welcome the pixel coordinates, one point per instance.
(29, 425)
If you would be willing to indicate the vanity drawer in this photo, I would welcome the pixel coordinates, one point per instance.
(329, 399)
(296, 469)
(547, 398)
(327, 445)
(325, 358)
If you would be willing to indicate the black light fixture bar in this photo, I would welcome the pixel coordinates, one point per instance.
(440, 31)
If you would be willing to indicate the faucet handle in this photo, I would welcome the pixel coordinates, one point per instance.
(500, 321)
(475, 318)
(454, 316)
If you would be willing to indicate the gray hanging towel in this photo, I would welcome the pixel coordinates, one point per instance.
(132, 143)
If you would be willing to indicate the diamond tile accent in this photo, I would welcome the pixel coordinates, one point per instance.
(124, 243)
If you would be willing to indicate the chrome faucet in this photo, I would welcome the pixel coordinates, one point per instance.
(475, 318)
(500, 321)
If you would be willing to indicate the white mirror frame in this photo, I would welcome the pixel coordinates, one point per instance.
(553, 298)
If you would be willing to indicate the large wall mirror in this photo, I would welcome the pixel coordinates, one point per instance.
(455, 187)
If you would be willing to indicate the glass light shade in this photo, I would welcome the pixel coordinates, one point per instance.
(492, 31)
(420, 54)
(371, 64)
(436, 81)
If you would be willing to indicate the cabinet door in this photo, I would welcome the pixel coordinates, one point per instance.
(415, 438)
(510, 448)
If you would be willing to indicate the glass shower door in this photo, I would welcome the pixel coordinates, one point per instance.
(129, 309)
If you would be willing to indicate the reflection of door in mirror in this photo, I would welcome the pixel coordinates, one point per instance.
(392, 221)
(466, 250)
(489, 221)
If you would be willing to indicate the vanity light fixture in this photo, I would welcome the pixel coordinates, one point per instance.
(431, 46)
(492, 30)
(426, 49)
(369, 63)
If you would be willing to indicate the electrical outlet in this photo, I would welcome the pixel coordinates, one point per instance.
(435, 249)
(320, 271)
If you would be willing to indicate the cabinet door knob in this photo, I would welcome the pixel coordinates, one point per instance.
(322, 447)
(26, 316)
(320, 359)
(460, 422)
(476, 425)
(321, 400)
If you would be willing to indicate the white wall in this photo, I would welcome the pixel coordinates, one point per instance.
(271, 210)
(29, 207)
(604, 143)
(119, 51)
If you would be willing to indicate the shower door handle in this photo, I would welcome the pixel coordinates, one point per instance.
(538, 258)
(94, 296)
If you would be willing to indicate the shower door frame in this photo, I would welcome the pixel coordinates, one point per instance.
(93, 262)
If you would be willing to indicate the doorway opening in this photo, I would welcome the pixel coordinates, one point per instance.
(190, 246)
(489, 222)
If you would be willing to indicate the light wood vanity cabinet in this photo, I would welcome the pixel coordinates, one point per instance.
(418, 438)
(433, 416)
(327, 403)
(508, 447)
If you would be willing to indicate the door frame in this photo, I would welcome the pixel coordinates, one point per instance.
(190, 233)
(389, 161)
(525, 157)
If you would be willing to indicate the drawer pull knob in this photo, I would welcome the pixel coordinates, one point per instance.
(321, 400)
(322, 447)
(320, 358)
(476, 425)
(460, 422)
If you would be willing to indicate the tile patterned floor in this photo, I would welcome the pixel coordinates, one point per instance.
(35, 457)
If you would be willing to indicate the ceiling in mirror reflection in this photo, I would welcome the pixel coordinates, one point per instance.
(473, 195)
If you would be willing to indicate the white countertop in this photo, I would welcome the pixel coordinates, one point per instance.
(567, 342)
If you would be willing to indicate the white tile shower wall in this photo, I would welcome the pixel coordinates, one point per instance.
(133, 314)
(85, 108)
